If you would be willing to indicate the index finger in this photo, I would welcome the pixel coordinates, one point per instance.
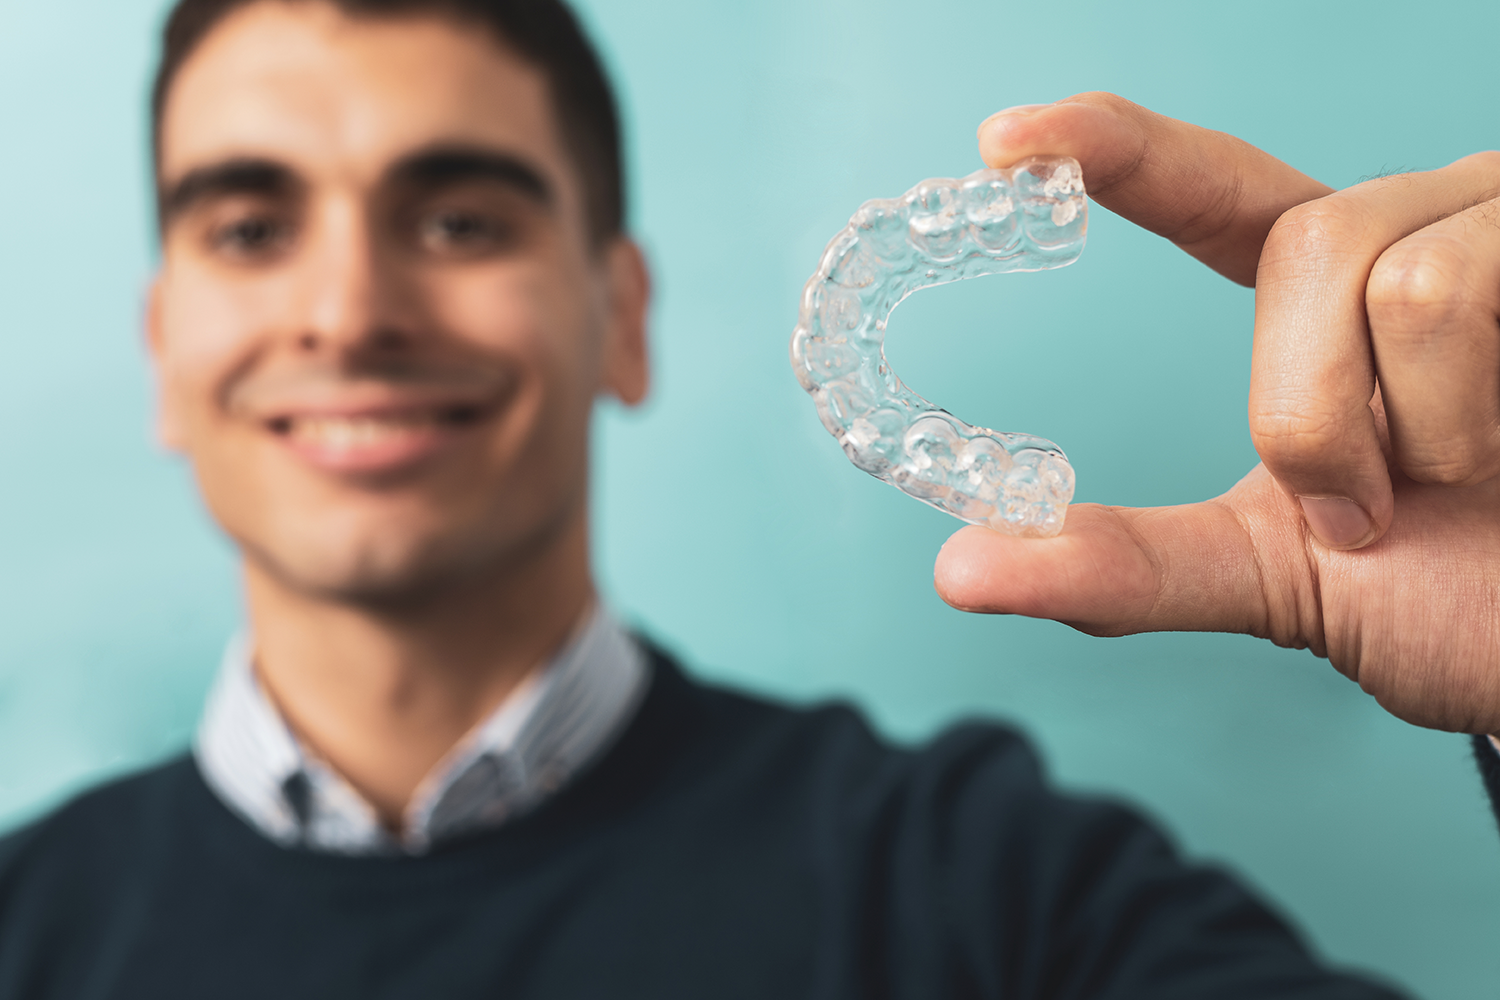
(1213, 195)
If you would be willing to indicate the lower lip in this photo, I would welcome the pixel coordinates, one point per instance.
(390, 452)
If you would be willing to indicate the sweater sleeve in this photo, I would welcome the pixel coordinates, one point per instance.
(1488, 759)
(1068, 898)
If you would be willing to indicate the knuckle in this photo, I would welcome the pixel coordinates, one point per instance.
(1291, 438)
(1452, 469)
(1487, 161)
(1452, 462)
(1103, 100)
(1422, 280)
(1316, 230)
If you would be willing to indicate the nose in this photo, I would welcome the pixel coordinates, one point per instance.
(354, 302)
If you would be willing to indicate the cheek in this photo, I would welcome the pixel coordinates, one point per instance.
(538, 318)
(205, 336)
(543, 326)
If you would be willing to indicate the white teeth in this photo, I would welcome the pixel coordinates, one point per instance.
(349, 433)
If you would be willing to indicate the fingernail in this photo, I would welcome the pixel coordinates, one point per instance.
(1019, 111)
(1338, 523)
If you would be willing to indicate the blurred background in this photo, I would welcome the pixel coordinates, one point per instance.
(729, 524)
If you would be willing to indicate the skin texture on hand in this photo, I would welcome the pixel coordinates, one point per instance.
(1371, 532)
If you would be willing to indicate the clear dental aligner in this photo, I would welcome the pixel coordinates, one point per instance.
(1030, 217)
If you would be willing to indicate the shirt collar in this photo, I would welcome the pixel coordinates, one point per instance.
(554, 725)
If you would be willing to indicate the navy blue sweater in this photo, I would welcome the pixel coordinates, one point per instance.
(726, 847)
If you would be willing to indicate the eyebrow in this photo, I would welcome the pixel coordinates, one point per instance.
(431, 168)
(443, 166)
(228, 177)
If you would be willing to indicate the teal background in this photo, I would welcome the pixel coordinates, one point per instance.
(729, 524)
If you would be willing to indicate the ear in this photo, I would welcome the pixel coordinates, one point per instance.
(627, 364)
(169, 430)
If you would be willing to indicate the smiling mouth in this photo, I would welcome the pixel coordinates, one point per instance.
(373, 441)
(354, 430)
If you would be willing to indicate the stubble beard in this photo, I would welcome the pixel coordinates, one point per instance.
(388, 576)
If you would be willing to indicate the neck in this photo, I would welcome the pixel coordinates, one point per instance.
(382, 694)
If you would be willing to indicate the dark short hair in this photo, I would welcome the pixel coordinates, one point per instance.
(543, 32)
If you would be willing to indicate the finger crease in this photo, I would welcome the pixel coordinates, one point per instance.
(1319, 644)
(1124, 174)
(1221, 211)
(1158, 568)
(1264, 625)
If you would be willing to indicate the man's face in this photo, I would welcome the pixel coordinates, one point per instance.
(380, 324)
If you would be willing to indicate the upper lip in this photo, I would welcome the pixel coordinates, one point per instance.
(372, 401)
(452, 409)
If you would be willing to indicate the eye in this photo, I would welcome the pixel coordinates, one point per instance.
(249, 236)
(463, 232)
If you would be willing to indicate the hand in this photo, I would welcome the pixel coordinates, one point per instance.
(1371, 532)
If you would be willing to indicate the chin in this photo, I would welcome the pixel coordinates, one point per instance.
(387, 568)
(408, 559)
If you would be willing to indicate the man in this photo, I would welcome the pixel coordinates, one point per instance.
(394, 278)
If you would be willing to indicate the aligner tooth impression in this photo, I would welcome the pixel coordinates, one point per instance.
(1030, 217)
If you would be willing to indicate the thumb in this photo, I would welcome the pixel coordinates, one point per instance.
(1118, 570)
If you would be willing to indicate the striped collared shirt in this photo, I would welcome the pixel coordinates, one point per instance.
(556, 723)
